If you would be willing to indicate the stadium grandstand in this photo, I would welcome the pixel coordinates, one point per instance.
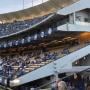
(45, 45)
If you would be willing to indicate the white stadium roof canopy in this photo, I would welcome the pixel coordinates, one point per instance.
(34, 9)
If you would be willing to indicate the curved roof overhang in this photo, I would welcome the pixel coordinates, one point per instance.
(36, 11)
(80, 5)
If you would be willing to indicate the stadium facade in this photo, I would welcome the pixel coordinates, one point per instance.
(34, 53)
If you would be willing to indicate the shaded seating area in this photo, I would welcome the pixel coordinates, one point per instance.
(16, 26)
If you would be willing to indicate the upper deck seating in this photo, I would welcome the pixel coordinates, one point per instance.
(10, 28)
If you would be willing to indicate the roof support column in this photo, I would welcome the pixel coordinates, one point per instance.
(74, 17)
(32, 3)
(23, 4)
(55, 77)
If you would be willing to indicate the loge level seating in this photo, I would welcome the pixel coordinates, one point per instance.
(18, 65)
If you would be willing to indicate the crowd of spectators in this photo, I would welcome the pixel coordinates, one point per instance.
(16, 65)
(75, 81)
(78, 82)
(15, 26)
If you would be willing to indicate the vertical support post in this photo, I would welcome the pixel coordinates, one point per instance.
(55, 76)
(23, 4)
(42, 1)
(74, 17)
(32, 3)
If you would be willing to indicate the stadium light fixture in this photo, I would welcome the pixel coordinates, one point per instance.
(16, 81)
(5, 45)
(22, 41)
(35, 36)
(42, 34)
(49, 31)
(0, 79)
(29, 39)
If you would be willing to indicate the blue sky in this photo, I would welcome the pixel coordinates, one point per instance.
(15, 5)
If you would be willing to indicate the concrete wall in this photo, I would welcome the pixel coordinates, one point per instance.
(74, 27)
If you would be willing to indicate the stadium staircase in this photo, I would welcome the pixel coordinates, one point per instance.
(47, 68)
